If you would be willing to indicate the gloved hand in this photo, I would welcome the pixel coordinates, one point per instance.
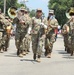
(45, 26)
(42, 24)
(26, 35)
(29, 30)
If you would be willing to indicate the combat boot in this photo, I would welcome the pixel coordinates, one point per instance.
(71, 53)
(18, 52)
(34, 56)
(21, 55)
(1, 51)
(39, 60)
(49, 55)
(24, 53)
(28, 51)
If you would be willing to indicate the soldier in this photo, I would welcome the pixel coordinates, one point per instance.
(50, 35)
(38, 34)
(68, 32)
(8, 33)
(3, 25)
(71, 28)
(65, 33)
(21, 31)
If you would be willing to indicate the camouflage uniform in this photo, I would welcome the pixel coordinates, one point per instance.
(50, 36)
(66, 37)
(71, 24)
(21, 33)
(3, 25)
(70, 29)
(8, 33)
(37, 35)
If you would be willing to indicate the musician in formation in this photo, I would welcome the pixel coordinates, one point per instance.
(4, 32)
(50, 35)
(68, 32)
(39, 24)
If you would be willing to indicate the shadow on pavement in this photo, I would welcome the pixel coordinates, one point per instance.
(11, 55)
(30, 60)
(65, 54)
(61, 52)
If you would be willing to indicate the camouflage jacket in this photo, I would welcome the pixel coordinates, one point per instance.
(52, 24)
(36, 27)
(21, 27)
(3, 23)
(71, 28)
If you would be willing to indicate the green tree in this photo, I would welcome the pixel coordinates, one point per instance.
(10, 3)
(32, 13)
(60, 7)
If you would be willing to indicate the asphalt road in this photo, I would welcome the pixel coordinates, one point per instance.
(60, 63)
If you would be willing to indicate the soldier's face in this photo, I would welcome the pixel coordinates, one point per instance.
(39, 13)
(22, 11)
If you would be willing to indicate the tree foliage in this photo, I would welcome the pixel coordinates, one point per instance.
(60, 7)
(10, 3)
(32, 13)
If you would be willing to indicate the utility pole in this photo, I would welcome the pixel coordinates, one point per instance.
(4, 7)
(23, 1)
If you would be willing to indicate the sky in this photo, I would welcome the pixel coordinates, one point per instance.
(34, 4)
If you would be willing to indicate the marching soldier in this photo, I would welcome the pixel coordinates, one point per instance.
(3, 24)
(21, 32)
(71, 28)
(38, 34)
(65, 33)
(50, 35)
(8, 33)
(68, 32)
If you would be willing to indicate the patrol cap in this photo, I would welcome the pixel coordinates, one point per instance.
(22, 8)
(51, 11)
(39, 9)
(71, 12)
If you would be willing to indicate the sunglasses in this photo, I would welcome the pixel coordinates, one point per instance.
(25, 12)
(39, 11)
(22, 10)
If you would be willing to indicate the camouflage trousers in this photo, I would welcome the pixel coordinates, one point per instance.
(2, 40)
(27, 40)
(7, 39)
(49, 40)
(19, 41)
(72, 43)
(66, 38)
(37, 44)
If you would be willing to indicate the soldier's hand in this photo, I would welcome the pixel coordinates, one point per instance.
(22, 22)
(44, 36)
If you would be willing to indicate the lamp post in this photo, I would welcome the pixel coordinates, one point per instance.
(4, 7)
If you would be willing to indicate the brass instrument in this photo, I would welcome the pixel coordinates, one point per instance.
(70, 12)
(12, 12)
